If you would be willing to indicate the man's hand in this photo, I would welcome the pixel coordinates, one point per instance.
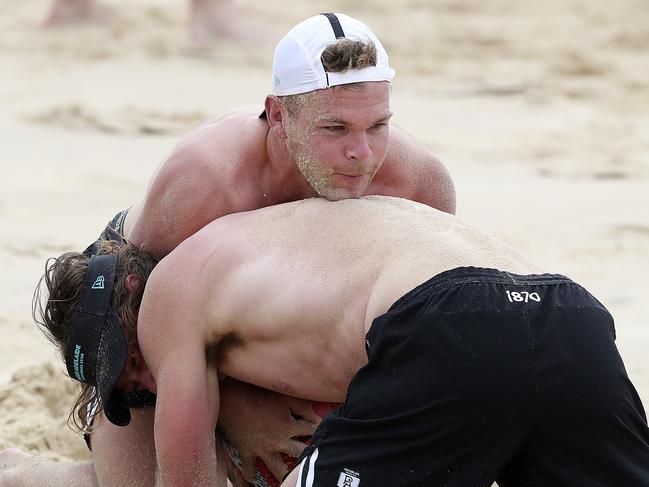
(264, 424)
(234, 474)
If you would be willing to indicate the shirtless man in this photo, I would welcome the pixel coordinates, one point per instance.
(488, 371)
(316, 139)
(324, 132)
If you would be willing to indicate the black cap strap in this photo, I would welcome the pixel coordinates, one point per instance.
(335, 25)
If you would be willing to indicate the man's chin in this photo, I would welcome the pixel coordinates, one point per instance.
(337, 194)
(343, 192)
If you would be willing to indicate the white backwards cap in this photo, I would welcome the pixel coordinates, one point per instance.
(297, 67)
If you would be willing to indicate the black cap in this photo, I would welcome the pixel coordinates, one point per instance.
(96, 351)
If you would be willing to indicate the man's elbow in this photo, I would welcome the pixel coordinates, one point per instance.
(446, 195)
(440, 190)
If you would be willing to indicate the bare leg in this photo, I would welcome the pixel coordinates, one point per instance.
(212, 19)
(65, 12)
(122, 456)
(20, 469)
(13, 456)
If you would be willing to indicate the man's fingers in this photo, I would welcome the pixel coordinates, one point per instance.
(304, 410)
(304, 428)
(294, 448)
(237, 479)
(234, 474)
(248, 467)
(276, 465)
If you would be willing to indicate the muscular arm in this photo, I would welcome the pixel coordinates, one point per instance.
(185, 418)
(209, 174)
(171, 335)
(183, 196)
(125, 455)
(411, 171)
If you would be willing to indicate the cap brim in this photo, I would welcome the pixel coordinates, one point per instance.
(111, 359)
(116, 409)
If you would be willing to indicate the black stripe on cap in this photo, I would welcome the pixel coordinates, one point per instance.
(335, 25)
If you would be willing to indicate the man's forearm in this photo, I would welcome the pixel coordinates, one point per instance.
(125, 455)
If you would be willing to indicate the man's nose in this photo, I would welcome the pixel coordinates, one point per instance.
(358, 147)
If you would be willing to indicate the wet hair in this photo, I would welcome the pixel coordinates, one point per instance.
(341, 56)
(57, 295)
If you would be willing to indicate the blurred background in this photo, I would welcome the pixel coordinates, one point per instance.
(539, 111)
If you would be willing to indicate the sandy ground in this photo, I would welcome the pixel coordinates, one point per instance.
(539, 111)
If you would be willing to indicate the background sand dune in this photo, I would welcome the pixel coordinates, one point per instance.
(538, 110)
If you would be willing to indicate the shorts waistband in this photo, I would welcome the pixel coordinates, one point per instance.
(474, 275)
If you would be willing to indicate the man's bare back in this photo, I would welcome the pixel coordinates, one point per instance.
(244, 271)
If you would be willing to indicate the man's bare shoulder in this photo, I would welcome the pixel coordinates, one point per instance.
(175, 290)
(193, 277)
(410, 170)
(223, 142)
(215, 154)
(219, 238)
(210, 173)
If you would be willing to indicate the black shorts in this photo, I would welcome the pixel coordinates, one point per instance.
(479, 376)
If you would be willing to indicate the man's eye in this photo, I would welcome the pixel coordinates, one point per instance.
(379, 126)
(335, 128)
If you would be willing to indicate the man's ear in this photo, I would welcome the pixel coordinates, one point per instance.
(132, 283)
(275, 113)
(135, 354)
